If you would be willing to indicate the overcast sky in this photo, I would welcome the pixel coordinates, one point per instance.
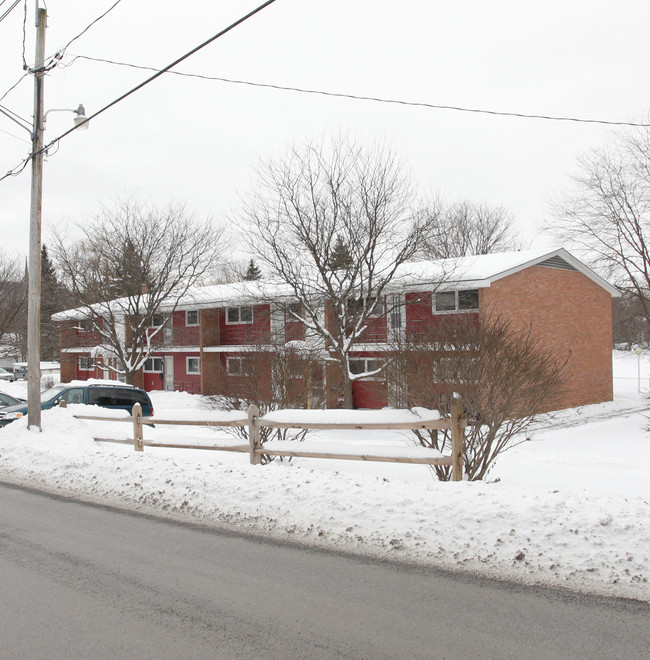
(196, 141)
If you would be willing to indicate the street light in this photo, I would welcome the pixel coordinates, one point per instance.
(80, 120)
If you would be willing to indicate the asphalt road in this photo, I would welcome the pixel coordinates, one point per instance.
(80, 581)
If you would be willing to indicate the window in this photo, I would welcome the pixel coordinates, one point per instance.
(157, 320)
(455, 301)
(363, 365)
(294, 309)
(154, 365)
(239, 315)
(192, 317)
(192, 365)
(86, 325)
(371, 303)
(444, 301)
(236, 366)
(75, 395)
(376, 305)
(395, 312)
(468, 299)
(86, 364)
(117, 396)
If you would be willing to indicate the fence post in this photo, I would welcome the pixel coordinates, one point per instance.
(138, 434)
(457, 438)
(254, 434)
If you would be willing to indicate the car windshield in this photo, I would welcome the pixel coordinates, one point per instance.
(50, 394)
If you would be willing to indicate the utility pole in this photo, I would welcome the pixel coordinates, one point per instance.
(34, 295)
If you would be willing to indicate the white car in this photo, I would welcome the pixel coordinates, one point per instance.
(6, 375)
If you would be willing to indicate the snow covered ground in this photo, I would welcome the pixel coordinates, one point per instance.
(570, 508)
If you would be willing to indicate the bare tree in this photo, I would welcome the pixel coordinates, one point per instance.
(13, 305)
(503, 373)
(274, 375)
(134, 261)
(466, 228)
(318, 203)
(606, 216)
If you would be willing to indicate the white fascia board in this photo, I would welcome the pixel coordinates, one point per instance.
(79, 349)
(161, 350)
(239, 348)
(371, 348)
(451, 285)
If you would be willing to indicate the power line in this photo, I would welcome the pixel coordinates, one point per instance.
(14, 85)
(14, 136)
(59, 54)
(21, 166)
(16, 3)
(357, 97)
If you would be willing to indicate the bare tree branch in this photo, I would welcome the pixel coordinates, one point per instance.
(466, 228)
(134, 261)
(503, 373)
(311, 202)
(606, 216)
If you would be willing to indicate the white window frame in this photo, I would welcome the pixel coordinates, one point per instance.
(236, 359)
(153, 323)
(456, 309)
(84, 359)
(366, 367)
(187, 318)
(239, 321)
(152, 368)
(191, 372)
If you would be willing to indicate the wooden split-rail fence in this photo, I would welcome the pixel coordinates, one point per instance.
(256, 449)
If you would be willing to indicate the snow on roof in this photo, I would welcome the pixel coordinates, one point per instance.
(241, 293)
(480, 271)
(476, 271)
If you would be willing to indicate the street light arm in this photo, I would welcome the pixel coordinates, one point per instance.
(79, 111)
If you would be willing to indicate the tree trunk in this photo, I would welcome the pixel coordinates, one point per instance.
(348, 399)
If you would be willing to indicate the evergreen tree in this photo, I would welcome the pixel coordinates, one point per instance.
(51, 302)
(340, 259)
(253, 272)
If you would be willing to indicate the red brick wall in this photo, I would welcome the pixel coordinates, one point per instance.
(182, 334)
(68, 367)
(210, 364)
(71, 337)
(571, 315)
(246, 333)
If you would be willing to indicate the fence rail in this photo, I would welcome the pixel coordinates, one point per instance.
(256, 449)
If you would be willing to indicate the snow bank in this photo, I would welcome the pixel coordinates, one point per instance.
(580, 539)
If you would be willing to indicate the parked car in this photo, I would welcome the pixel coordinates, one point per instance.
(8, 400)
(20, 372)
(116, 397)
(7, 375)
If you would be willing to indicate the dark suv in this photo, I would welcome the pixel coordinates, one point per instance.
(116, 397)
